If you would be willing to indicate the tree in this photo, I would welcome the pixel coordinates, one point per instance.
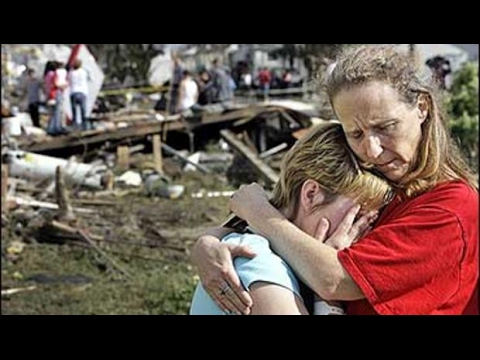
(462, 107)
(314, 55)
(126, 63)
(288, 52)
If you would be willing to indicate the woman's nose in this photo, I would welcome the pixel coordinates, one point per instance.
(373, 147)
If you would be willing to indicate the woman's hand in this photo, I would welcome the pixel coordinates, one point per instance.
(349, 230)
(249, 202)
(214, 262)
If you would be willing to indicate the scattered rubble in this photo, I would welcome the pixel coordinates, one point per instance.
(57, 190)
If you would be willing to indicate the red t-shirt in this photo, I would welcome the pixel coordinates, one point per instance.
(422, 256)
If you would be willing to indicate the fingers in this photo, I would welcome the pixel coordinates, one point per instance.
(217, 290)
(347, 222)
(237, 298)
(342, 236)
(321, 230)
(240, 250)
(362, 234)
(214, 262)
(228, 299)
(352, 226)
(351, 229)
(224, 286)
(236, 294)
(363, 225)
(222, 298)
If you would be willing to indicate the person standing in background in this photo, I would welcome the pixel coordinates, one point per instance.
(177, 77)
(55, 81)
(188, 92)
(34, 92)
(264, 80)
(221, 83)
(78, 82)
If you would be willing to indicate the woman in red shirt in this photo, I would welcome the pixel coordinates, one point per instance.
(422, 255)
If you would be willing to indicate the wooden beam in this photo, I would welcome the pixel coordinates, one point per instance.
(65, 211)
(273, 150)
(174, 152)
(262, 168)
(139, 129)
(123, 157)
(69, 141)
(4, 188)
(157, 153)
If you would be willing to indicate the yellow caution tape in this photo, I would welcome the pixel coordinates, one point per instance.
(145, 90)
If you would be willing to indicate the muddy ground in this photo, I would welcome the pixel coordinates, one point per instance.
(140, 265)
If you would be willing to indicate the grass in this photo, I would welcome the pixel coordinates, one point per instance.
(150, 238)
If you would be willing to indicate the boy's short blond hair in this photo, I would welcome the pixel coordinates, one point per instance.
(323, 155)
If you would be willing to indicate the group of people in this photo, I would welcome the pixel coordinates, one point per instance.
(191, 91)
(375, 214)
(56, 79)
(265, 79)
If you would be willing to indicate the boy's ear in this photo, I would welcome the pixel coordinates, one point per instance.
(311, 195)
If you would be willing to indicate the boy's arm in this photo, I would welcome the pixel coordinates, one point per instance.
(271, 299)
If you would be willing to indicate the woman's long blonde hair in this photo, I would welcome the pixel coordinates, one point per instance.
(438, 158)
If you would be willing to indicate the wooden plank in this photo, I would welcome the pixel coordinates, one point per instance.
(42, 204)
(263, 169)
(123, 157)
(65, 210)
(273, 150)
(139, 129)
(157, 153)
(289, 119)
(246, 139)
(69, 141)
(4, 188)
(174, 152)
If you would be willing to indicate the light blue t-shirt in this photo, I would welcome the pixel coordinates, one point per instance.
(266, 266)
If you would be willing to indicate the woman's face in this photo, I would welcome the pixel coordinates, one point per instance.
(381, 129)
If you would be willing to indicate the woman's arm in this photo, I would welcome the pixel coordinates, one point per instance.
(315, 263)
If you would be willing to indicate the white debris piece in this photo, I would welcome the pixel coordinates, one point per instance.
(211, 194)
(194, 158)
(130, 178)
(32, 166)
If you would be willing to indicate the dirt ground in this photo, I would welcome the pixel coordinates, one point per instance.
(140, 265)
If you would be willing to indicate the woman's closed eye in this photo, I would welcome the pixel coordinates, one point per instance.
(388, 127)
(357, 134)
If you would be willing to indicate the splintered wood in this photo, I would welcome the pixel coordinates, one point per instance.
(4, 188)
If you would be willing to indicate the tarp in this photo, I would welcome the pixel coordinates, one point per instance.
(161, 69)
